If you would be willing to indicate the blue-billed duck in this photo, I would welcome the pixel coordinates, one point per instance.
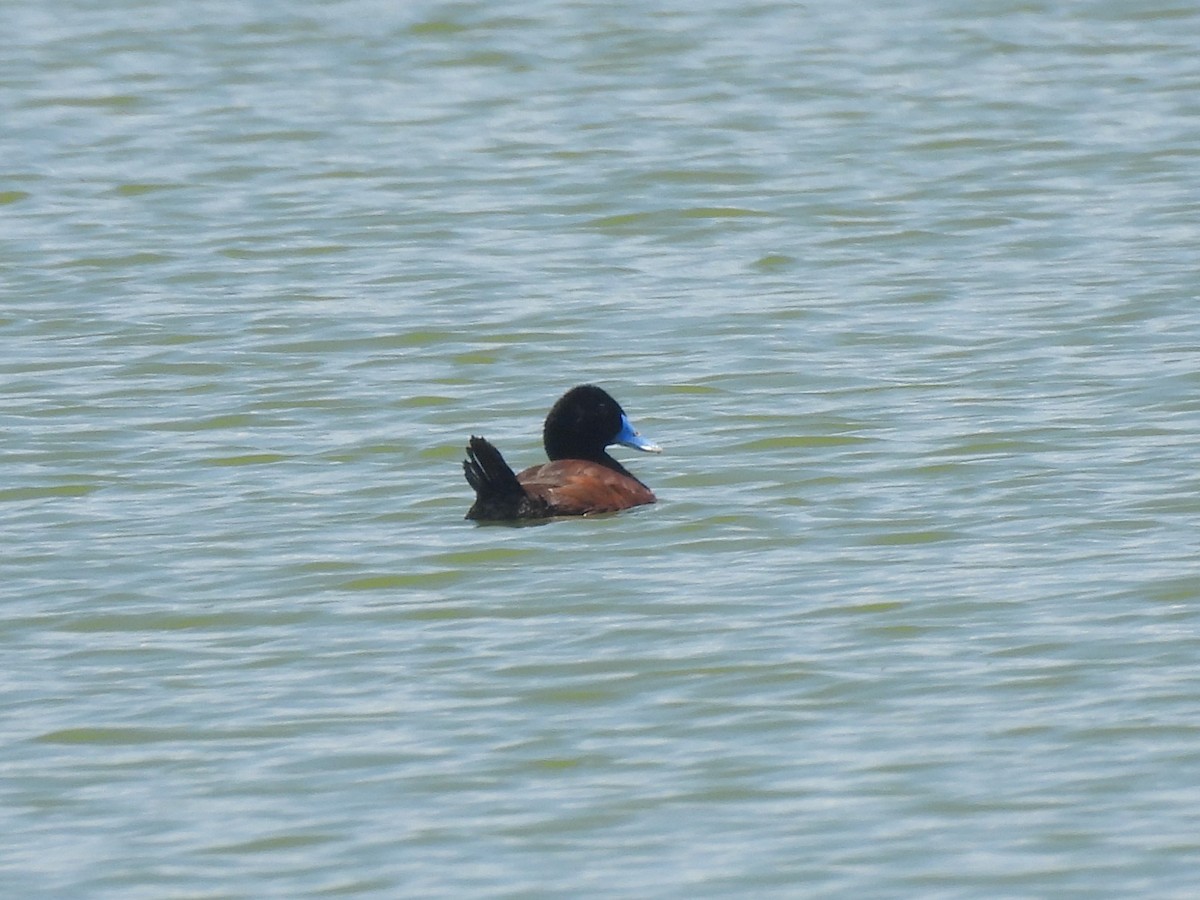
(580, 479)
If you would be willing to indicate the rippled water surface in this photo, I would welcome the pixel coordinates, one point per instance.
(908, 292)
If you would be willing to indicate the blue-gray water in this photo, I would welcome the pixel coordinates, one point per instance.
(909, 294)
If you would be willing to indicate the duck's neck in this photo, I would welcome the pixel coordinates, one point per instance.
(605, 460)
(598, 456)
(558, 450)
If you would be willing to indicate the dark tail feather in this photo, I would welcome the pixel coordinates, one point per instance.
(498, 494)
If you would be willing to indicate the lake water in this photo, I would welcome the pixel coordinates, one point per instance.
(909, 295)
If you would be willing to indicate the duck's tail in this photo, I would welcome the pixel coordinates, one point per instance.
(498, 494)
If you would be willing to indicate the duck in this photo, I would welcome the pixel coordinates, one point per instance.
(580, 479)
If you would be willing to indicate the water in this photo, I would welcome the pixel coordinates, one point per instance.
(907, 292)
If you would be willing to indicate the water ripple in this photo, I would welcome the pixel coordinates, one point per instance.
(908, 296)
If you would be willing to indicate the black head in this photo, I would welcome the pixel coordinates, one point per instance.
(584, 421)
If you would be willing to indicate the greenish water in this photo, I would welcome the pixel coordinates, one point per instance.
(908, 293)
